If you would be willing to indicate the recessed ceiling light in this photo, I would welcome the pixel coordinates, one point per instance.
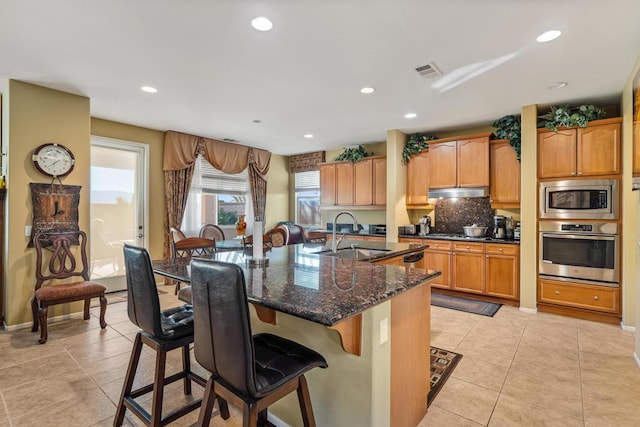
(367, 90)
(308, 135)
(410, 116)
(557, 85)
(256, 121)
(149, 89)
(261, 24)
(548, 36)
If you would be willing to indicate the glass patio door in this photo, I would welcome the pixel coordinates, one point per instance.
(117, 208)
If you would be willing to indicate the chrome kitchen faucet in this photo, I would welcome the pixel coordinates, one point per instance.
(334, 242)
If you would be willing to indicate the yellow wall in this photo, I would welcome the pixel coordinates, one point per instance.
(630, 212)
(155, 140)
(277, 208)
(38, 115)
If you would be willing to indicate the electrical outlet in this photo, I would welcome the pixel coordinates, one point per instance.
(27, 230)
(384, 330)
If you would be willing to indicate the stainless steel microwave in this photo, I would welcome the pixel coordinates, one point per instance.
(580, 199)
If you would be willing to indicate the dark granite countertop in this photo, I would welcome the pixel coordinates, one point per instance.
(321, 288)
(459, 237)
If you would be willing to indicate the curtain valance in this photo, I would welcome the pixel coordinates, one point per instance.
(306, 162)
(181, 150)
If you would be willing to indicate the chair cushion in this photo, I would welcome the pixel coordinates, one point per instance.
(279, 360)
(69, 290)
(177, 322)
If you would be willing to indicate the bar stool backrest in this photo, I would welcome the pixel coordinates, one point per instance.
(143, 304)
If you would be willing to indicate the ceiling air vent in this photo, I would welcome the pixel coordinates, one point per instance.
(429, 70)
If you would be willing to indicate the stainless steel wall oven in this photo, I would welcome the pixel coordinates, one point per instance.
(580, 199)
(584, 251)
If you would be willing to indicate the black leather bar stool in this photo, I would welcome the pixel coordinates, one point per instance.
(252, 372)
(163, 331)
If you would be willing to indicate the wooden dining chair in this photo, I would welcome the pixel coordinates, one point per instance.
(183, 246)
(212, 231)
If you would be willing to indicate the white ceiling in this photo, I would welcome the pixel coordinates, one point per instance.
(215, 74)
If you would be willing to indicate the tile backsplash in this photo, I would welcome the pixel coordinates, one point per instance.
(453, 214)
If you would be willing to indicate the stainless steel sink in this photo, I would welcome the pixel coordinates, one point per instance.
(355, 253)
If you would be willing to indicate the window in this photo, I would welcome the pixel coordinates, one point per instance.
(215, 197)
(307, 189)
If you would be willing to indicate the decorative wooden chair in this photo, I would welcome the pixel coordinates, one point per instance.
(250, 371)
(316, 237)
(278, 237)
(56, 277)
(247, 242)
(212, 231)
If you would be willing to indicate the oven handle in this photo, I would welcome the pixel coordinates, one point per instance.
(580, 236)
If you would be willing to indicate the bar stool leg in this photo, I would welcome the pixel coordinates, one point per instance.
(128, 381)
(186, 368)
(158, 387)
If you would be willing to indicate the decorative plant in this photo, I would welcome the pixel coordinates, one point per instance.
(415, 144)
(567, 116)
(354, 154)
(509, 127)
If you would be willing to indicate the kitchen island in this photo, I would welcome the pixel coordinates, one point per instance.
(322, 301)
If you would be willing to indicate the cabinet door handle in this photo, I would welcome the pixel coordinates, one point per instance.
(500, 249)
(556, 292)
(579, 173)
(487, 256)
(596, 297)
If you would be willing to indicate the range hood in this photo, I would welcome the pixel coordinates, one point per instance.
(458, 192)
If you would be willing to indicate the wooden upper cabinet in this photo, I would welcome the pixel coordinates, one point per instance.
(590, 151)
(362, 183)
(328, 184)
(344, 184)
(418, 179)
(598, 149)
(557, 154)
(443, 165)
(379, 181)
(363, 177)
(462, 163)
(504, 175)
(473, 162)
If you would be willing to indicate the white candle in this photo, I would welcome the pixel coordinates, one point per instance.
(257, 239)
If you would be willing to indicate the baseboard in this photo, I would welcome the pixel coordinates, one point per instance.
(78, 315)
(276, 421)
(636, 358)
(528, 310)
(627, 328)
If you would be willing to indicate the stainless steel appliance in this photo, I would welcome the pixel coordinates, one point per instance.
(410, 230)
(424, 226)
(586, 251)
(580, 199)
(516, 231)
(378, 229)
(499, 227)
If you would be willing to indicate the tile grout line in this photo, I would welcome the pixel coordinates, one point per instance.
(580, 372)
(509, 369)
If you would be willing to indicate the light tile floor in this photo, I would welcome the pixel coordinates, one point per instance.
(518, 369)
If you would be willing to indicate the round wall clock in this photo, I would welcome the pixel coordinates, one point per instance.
(54, 160)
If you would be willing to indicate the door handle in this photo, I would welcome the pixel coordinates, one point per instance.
(140, 236)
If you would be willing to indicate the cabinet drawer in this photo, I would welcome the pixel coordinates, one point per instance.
(468, 247)
(601, 298)
(498, 249)
(438, 245)
(410, 240)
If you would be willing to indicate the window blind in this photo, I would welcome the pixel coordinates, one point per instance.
(211, 180)
(307, 181)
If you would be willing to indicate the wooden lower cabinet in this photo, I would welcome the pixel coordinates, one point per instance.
(578, 295)
(491, 269)
(398, 260)
(468, 267)
(502, 277)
